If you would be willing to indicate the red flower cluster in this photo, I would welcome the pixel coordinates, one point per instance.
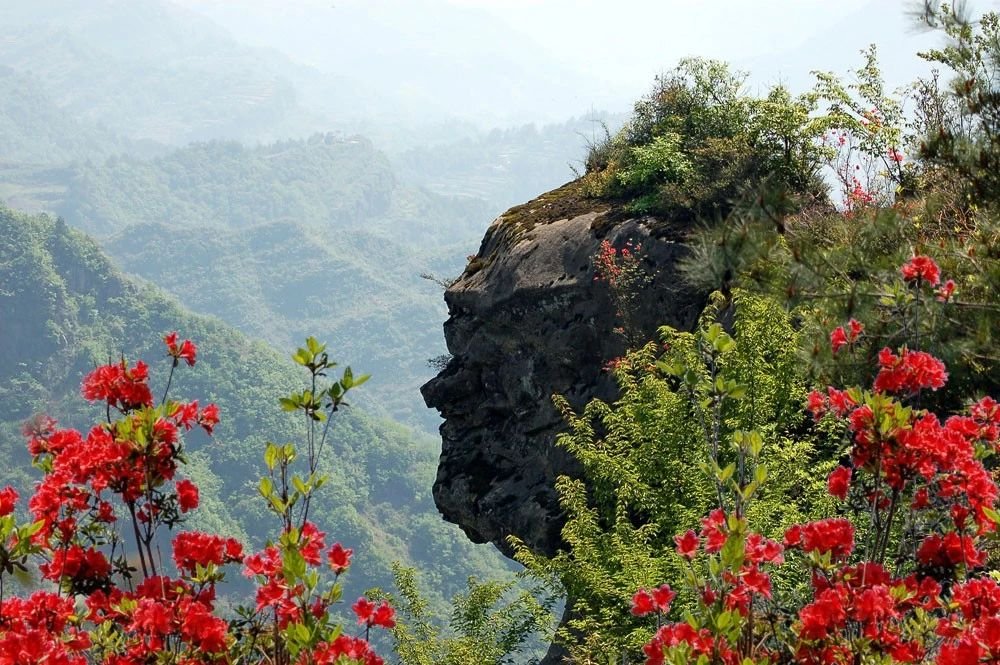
(857, 197)
(133, 459)
(972, 635)
(193, 549)
(654, 600)
(921, 269)
(947, 552)
(833, 536)
(355, 649)
(187, 495)
(371, 614)
(839, 402)
(39, 629)
(840, 337)
(123, 387)
(909, 372)
(866, 597)
(945, 291)
(8, 499)
(923, 485)
(698, 644)
(616, 267)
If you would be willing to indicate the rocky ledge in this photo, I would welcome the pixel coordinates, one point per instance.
(527, 320)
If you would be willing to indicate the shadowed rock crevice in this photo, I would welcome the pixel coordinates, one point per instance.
(527, 321)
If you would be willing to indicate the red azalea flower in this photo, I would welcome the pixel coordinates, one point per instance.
(839, 482)
(192, 548)
(364, 609)
(841, 337)
(759, 549)
(840, 401)
(687, 544)
(642, 603)
(713, 531)
(834, 535)
(186, 350)
(8, 499)
(945, 291)
(838, 339)
(311, 543)
(187, 495)
(121, 386)
(384, 616)
(921, 269)
(339, 557)
(209, 417)
(663, 596)
(374, 615)
(647, 601)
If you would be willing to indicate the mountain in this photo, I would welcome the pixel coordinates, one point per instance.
(67, 308)
(506, 166)
(294, 238)
(150, 69)
(413, 53)
(33, 129)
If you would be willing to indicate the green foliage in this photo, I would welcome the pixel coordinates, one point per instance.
(829, 266)
(491, 624)
(863, 148)
(698, 141)
(962, 129)
(702, 401)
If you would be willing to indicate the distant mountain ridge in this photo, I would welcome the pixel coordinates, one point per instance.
(196, 82)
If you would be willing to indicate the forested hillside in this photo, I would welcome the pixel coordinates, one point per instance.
(34, 130)
(67, 309)
(301, 237)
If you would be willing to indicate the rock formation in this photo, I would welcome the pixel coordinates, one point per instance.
(528, 320)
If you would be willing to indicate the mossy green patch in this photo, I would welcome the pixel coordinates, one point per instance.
(566, 202)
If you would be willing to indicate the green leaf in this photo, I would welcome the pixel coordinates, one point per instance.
(294, 565)
(271, 455)
(760, 474)
(299, 485)
(314, 346)
(992, 514)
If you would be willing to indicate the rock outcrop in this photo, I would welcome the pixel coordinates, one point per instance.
(528, 320)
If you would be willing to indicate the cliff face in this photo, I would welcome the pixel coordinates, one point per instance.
(527, 321)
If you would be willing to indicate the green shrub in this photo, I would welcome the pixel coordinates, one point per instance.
(683, 406)
(697, 141)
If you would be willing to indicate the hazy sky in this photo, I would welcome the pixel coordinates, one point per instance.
(560, 57)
